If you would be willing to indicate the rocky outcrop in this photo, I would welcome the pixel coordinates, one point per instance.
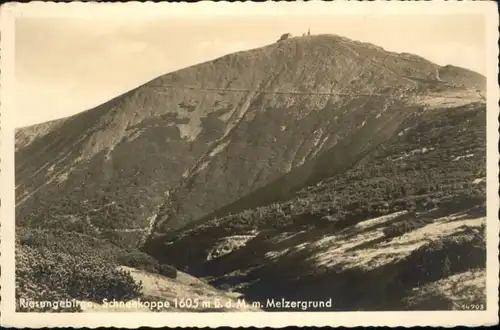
(229, 244)
(284, 37)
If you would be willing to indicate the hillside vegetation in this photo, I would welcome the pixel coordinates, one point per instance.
(408, 216)
(435, 163)
(57, 265)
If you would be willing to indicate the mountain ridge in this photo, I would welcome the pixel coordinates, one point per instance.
(207, 128)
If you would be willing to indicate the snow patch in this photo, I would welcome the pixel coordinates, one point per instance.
(379, 220)
(317, 136)
(463, 157)
(203, 166)
(403, 131)
(414, 152)
(478, 180)
(189, 131)
(285, 236)
(276, 254)
(322, 143)
(219, 149)
(301, 246)
(61, 178)
(134, 135)
(229, 244)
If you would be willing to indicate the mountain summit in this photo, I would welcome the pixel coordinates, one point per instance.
(196, 143)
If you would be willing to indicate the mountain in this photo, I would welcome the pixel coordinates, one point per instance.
(307, 141)
(170, 152)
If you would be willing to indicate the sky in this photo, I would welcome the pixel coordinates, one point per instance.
(67, 65)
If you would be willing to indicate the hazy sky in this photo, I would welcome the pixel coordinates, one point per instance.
(64, 66)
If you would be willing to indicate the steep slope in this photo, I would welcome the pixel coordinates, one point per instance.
(189, 143)
(402, 229)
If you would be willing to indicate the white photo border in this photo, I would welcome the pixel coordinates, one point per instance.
(132, 10)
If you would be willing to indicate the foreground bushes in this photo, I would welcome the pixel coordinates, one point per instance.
(139, 260)
(43, 275)
(56, 265)
(77, 244)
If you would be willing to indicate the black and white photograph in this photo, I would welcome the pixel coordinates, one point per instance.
(256, 159)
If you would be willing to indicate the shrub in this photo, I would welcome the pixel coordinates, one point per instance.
(400, 228)
(138, 260)
(94, 281)
(168, 271)
(44, 275)
(72, 243)
(78, 244)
